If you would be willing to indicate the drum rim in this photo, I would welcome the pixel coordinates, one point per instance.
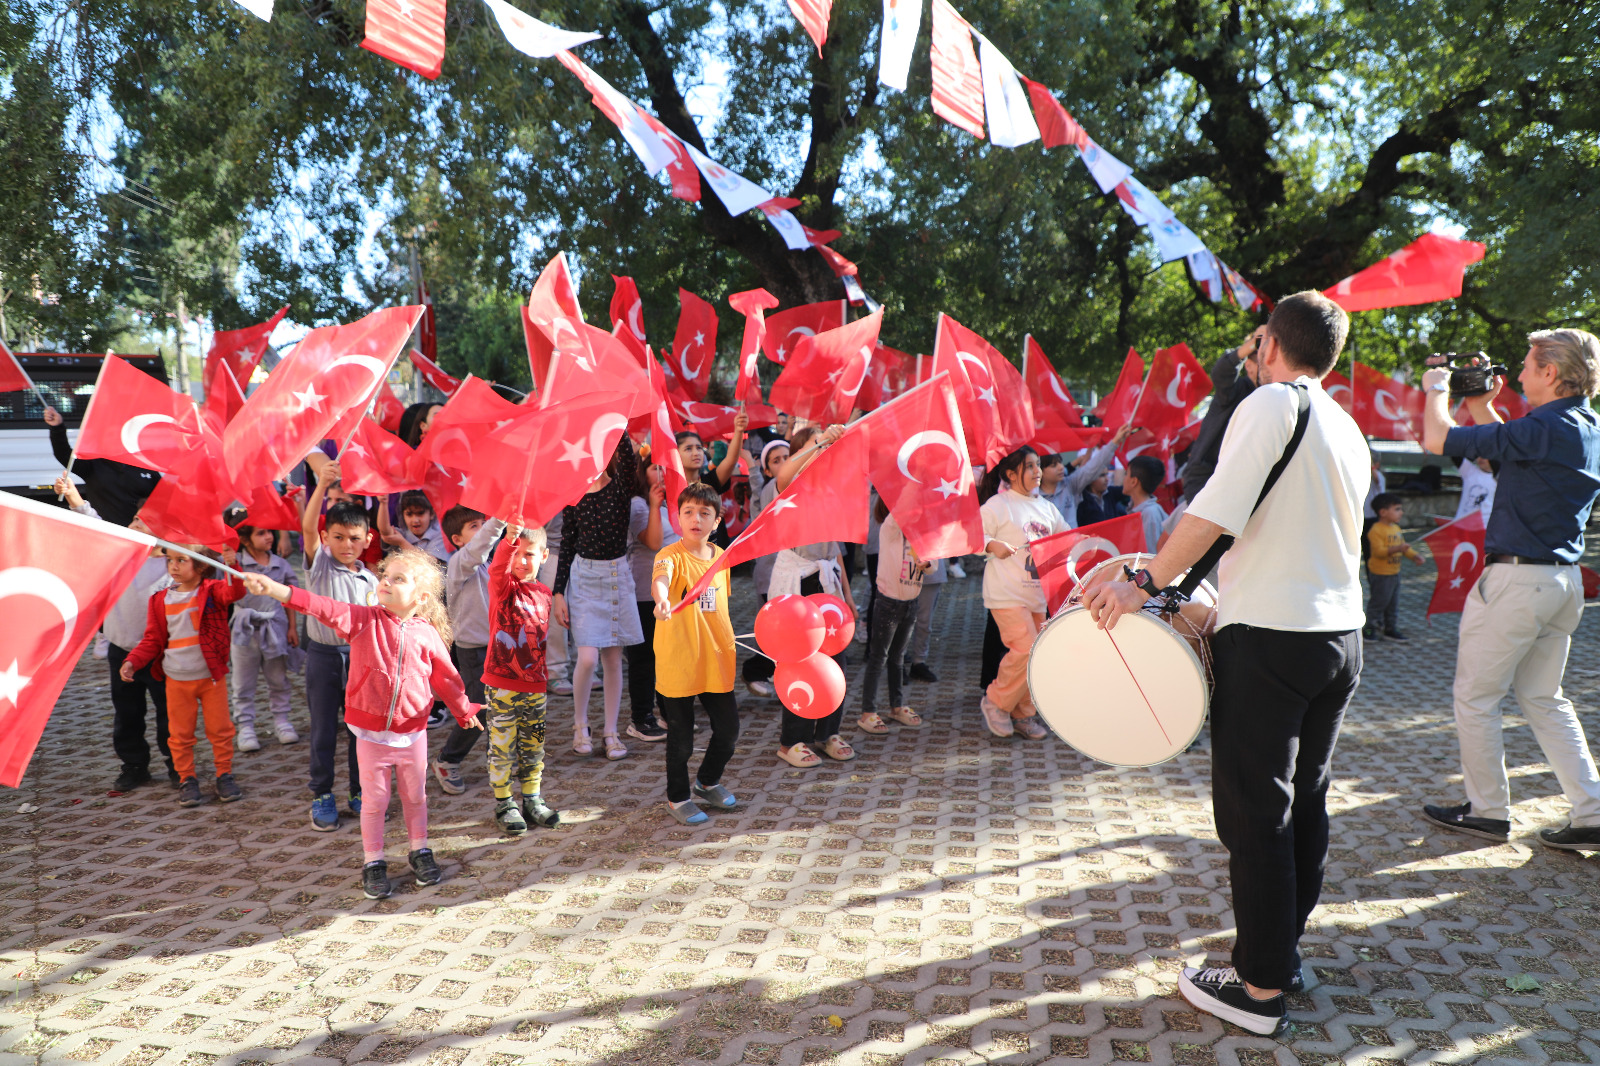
(1199, 669)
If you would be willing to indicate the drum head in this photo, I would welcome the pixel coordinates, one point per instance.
(1135, 696)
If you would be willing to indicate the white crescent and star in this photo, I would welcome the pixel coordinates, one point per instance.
(1465, 547)
(1381, 402)
(42, 584)
(602, 426)
(372, 366)
(923, 439)
(310, 399)
(137, 425)
(811, 696)
(1084, 547)
(866, 363)
(1173, 399)
(636, 319)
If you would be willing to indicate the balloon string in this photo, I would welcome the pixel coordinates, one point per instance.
(753, 651)
(1138, 686)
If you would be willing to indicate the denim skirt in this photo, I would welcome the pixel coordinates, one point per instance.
(601, 604)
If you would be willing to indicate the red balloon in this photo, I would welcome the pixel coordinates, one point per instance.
(812, 687)
(840, 618)
(790, 628)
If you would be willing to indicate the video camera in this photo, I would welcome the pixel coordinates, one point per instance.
(1471, 373)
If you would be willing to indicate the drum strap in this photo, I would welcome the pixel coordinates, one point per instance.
(1214, 554)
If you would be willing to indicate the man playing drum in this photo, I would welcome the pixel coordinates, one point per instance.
(1286, 653)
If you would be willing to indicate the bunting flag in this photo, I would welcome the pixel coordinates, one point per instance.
(408, 32)
(824, 374)
(957, 77)
(813, 15)
(12, 376)
(261, 9)
(1107, 170)
(1385, 408)
(1173, 239)
(788, 227)
(1430, 268)
(897, 42)
(1123, 399)
(1246, 295)
(1064, 559)
(647, 144)
(923, 473)
(1175, 384)
(137, 420)
(1006, 104)
(1457, 548)
(60, 574)
(534, 38)
(785, 328)
(694, 345)
(1056, 126)
(683, 176)
(737, 193)
(753, 305)
(433, 375)
(1206, 270)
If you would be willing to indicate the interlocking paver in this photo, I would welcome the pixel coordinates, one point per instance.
(946, 899)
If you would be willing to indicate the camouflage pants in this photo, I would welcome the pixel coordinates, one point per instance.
(516, 740)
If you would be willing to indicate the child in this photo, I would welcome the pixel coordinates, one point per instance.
(1145, 474)
(123, 629)
(399, 658)
(334, 570)
(263, 633)
(418, 530)
(186, 643)
(1383, 567)
(648, 531)
(466, 587)
(899, 583)
(514, 679)
(694, 657)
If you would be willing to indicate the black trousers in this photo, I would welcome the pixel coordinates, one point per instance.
(327, 673)
(1276, 708)
(642, 666)
(469, 661)
(891, 632)
(723, 711)
(757, 667)
(128, 712)
(994, 649)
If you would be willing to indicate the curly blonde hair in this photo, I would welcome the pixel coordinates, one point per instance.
(429, 576)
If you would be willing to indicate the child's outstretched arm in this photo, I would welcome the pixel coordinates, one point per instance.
(661, 592)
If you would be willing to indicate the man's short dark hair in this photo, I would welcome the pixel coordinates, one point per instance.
(1383, 500)
(347, 513)
(1310, 330)
(1148, 471)
(455, 520)
(701, 493)
(1053, 459)
(415, 500)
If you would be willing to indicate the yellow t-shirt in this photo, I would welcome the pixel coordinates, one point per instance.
(1382, 537)
(694, 648)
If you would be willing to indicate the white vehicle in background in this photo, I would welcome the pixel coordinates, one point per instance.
(27, 465)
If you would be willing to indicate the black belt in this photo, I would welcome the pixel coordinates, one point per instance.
(1522, 560)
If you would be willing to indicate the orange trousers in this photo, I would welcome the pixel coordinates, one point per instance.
(186, 701)
(1009, 689)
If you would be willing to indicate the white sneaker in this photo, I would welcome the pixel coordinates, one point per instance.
(246, 737)
(998, 721)
(285, 730)
(957, 571)
(759, 688)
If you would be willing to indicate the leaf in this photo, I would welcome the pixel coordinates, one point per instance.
(1523, 982)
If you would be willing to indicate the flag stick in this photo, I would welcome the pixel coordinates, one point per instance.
(197, 557)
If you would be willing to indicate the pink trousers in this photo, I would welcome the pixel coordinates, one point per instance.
(411, 766)
(1009, 690)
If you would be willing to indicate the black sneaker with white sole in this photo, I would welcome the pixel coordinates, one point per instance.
(1572, 838)
(375, 879)
(1461, 820)
(1220, 991)
(649, 732)
(424, 867)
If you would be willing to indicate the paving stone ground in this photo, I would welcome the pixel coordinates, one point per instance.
(946, 899)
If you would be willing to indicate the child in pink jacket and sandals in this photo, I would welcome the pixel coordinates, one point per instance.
(399, 660)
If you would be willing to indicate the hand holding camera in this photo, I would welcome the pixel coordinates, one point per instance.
(1471, 373)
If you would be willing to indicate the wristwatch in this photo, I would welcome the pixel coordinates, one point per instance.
(1142, 580)
(1439, 386)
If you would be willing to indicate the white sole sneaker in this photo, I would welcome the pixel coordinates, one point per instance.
(1201, 999)
(246, 739)
(998, 721)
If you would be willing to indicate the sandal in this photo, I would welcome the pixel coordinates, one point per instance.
(799, 755)
(580, 742)
(905, 716)
(872, 722)
(839, 748)
(614, 747)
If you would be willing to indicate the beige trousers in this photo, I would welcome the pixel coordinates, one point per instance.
(1516, 630)
(1009, 689)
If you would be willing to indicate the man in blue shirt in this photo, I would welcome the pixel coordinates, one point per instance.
(1516, 628)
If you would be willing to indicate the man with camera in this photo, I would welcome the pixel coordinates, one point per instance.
(1517, 625)
(1286, 655)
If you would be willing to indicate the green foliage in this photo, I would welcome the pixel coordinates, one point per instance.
(480, 333)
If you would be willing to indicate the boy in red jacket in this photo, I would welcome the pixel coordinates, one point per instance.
(186, 629)
(399, 660)
(514, 679)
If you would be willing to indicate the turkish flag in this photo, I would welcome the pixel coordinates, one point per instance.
(1338, 389)
(598, 363)
(539, 350)
(996, 429)
(1430, 268)
(223, 399)
(387, 408)
(1063, 559)
(681, 172)
(320, 389)
(461, 424)
(135, 419)
(711, 421)
(1051, 400)
(837, 263)
(544, 459)
(887, 376)
(1051, 435)
(187, 507)
(654, 150)
(1386, 408)
(664, 444)
(1123, 399)
(813, 15)
(1511, 403)
(1056, 126)
(826, 501)
(377, 463)
(694, 345)
(825, 373)
(627, 311)
(785, 328)
(12, 376)
(266, 509)
(753, 304)
(554, 312)
(920, 467)
(409, 32)
(1457, 548)
(433, 375)
(60, 573)
(957, 78)
(241, 349)
(1176, 383)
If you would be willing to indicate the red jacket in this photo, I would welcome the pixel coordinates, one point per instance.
(519, 619)
(214, 597)
(396, 667)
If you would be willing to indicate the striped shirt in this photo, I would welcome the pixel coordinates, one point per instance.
(183, 660)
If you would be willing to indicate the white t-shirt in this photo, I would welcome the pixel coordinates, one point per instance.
(1296, 563)
(1477, 490)
(1016, 520)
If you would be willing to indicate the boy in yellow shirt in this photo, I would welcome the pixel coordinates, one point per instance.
(695, 657)
(1383, 567)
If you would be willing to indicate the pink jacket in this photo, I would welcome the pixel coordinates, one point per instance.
(396, 667)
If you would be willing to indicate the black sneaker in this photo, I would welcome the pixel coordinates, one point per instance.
(1461, 820)
(922, 672)
(1572, 838)
(1369, 632)
(423, 866)
(1219, 991)
(649, 732)
(131, 778)
(228, 789)
(509, 816)
(189, 792)
(1395, 634)
(538, 813)
(438, 716)
(375, 880)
